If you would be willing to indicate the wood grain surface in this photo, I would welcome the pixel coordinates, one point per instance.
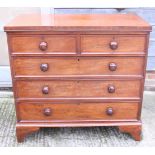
(77, 88)
(75, 22)
(30, 44)
(79, 111)
(100, 43)
(29, 66)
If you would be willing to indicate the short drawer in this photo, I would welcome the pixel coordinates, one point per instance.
(78, 88)
(45, 44)
(76, 111)
(112, 43)
(41, 66)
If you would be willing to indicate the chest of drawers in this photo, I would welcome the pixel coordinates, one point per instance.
(78, 70)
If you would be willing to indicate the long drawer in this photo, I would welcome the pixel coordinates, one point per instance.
(42, 66)
(76, 111)
(77, 88)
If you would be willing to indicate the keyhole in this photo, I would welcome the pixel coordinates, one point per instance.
(78, 59)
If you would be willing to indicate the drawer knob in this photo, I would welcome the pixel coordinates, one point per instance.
(109, 111)
(43, 46)
(112, 66)
(45, 90)
(44, 67)
(113, 45)
(47, 111)
(111, 89)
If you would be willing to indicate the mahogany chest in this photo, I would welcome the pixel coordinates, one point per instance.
(78, 70)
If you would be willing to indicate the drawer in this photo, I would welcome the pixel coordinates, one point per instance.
(28, 66)
(38, 44)
(112, 43)
(76, 111)
(78, 88)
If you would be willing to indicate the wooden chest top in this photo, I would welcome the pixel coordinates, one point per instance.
(78, 22)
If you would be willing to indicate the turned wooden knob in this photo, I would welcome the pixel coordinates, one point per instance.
(111, 89)
(44, 67)
(45, 90)
(113, 45)
(43, 45)
(109, 111)
(112, 66)
(47, 111)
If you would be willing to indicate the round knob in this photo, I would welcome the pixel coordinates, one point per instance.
(113, 45)
(44, 67)
(111, 89)
(109, 111)
(112, 66)
(43, 45)
(45, 90)
(47, 111)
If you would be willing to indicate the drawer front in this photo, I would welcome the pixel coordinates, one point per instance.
(74, 111)
(43, 44)
(78, 66)
(75, 88)
(112, 43)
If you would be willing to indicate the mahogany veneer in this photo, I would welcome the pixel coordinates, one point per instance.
(78, 70)
(77, 88)
(54, 43)
(40, 66)
(78, 111)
